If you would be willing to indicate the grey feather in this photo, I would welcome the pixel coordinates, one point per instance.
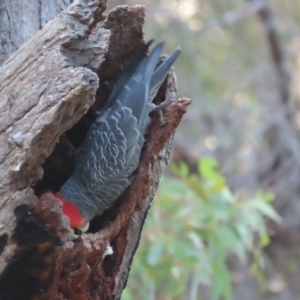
(111, 150)
(161, 72)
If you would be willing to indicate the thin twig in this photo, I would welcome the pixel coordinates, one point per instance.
(266, 16)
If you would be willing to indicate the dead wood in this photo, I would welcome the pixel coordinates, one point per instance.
(49, 95)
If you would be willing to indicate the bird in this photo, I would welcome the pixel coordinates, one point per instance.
(110, 153)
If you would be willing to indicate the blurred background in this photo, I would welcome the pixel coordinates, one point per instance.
(225, 223)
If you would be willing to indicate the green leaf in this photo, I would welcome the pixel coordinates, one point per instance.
(207, 167)
(265, 208)
(264, 240)
(221, 285)
(180, 169)
(196, 239)
(232, 242)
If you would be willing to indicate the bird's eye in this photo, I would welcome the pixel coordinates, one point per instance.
(74, 233)
(77, 231)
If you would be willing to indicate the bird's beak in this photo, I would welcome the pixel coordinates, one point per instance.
(84, 228)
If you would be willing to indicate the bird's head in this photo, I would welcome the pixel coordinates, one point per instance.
(77, 222)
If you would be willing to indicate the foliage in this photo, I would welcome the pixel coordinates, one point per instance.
(195, 223)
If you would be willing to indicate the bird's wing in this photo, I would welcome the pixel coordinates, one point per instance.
(108, 157)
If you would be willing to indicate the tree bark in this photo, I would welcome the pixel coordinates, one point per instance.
(28, 15)
(51, 90)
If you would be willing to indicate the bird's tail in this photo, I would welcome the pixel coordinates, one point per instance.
(152, 78)
(161, 72)
(127, 75)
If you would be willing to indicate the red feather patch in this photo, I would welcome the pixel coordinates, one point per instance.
(72, 212)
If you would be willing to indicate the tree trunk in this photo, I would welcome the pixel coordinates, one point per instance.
(29, 16)
(51, 90)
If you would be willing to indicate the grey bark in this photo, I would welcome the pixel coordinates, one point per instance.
(20, 20)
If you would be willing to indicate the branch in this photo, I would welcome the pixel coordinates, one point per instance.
(266, 16)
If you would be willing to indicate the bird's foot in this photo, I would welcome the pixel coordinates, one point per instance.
(159, 109)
